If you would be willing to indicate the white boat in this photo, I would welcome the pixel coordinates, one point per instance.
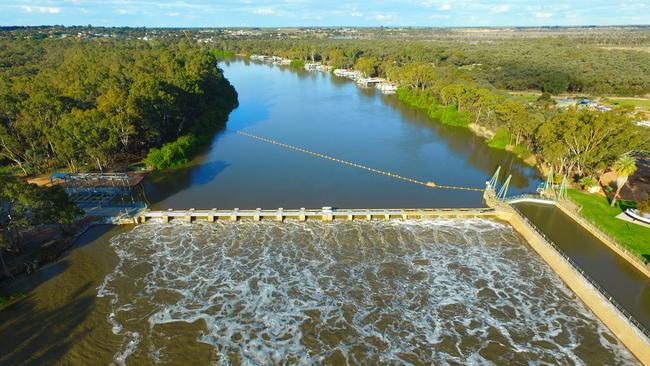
(369, 81)
(386, 87)
(345, 73)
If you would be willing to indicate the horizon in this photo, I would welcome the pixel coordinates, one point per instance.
(313, 14)
(332, 26)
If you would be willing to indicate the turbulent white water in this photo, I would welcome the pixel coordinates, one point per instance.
(415, 292)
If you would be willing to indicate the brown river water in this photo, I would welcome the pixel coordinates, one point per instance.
(414, 292)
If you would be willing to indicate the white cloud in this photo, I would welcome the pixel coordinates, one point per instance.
(439, 16)
(41, 9)
(500, 8)
(384, 17)
(174, 14)
(264, 11)
(444, 6)
(541, 14)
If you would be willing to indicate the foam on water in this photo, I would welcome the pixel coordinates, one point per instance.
(414, 292)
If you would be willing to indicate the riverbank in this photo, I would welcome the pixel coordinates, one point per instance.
(596, 209)
(41, 245)
(186, 147)
(449, 115)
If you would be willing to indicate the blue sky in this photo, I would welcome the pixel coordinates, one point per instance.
(266, 13)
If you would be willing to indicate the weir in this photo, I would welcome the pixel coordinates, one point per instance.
(631, 333)
(303, 214)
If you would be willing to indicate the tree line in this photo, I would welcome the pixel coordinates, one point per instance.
(90, 104)
(575, 142)
(553, 65)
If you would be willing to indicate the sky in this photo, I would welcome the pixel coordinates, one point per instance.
(278, 13)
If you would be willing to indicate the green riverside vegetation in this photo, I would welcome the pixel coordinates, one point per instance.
(94, 105)
(445, 114)
(86, 105)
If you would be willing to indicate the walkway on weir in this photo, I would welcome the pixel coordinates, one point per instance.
(302, 214)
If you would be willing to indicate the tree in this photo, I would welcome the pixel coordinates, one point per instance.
(337, 59)
(623, 167)
(367, 66)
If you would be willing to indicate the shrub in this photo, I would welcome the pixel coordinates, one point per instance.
(297, 63)
(448, 115)
(172, 154)
(501, 139)
(587, 182)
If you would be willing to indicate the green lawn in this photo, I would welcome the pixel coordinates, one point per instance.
(596, 209)
(641, 103)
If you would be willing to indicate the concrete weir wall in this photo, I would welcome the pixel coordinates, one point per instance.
(324, 214)
(631, 336)
(628, 333)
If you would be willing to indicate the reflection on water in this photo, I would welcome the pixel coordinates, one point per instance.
(332, 116)
(415, 292)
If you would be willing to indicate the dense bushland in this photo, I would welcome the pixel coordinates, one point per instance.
(553, 65)
(89, 104)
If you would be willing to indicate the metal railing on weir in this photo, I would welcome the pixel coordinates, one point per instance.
(585, 222)
(586, 276)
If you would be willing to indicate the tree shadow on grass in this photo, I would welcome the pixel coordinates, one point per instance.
(30, 335)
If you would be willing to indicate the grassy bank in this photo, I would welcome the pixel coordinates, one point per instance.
(448, 115)
(503, 140)
(596, 209)
(298, 64)
(629, 102)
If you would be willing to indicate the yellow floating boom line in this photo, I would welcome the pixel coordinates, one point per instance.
(360, 166)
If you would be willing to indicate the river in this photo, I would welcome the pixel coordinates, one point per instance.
(332, 116)
(418, 292)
